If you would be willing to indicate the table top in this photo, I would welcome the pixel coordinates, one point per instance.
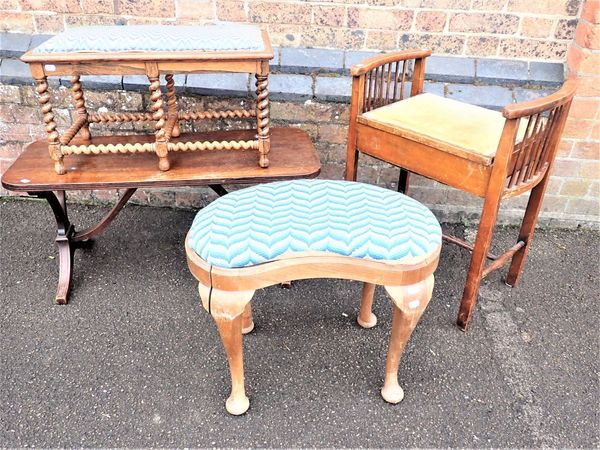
(154, 42)
(292, 155)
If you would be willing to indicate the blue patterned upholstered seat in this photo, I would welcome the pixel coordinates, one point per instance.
(157, 38)
(270, 221)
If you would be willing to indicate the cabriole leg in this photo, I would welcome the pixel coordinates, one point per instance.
(366, 318)
(247, 320)
(409, 302)
(227, 309)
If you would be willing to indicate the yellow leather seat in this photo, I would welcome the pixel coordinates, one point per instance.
(465, 130)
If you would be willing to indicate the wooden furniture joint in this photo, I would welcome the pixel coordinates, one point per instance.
(295, 158)
(166, 118)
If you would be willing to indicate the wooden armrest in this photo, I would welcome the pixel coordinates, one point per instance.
(563, 95)
(376, 61)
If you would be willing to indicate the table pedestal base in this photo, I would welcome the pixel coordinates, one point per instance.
(68, 239)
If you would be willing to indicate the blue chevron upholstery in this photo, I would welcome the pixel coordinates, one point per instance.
(158, 38)
(268, 221)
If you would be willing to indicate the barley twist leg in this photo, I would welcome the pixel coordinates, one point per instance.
(48, 117)
(262, 119)
(84, 131)
(172, 103)
(158, 114)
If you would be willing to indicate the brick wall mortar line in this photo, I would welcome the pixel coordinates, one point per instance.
(214, 9)
(446, 24)
(554, 28)
(413, 24)
(519, 31)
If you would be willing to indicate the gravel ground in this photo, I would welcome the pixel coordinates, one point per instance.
(134, 361)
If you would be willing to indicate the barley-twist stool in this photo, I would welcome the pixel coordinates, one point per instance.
(151, 51)
(271, 233)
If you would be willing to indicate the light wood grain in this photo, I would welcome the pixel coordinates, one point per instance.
(227, 309)
(322, 265)
(409, 303)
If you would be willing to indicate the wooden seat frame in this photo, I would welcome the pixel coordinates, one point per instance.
(226, 295)
(515, 168)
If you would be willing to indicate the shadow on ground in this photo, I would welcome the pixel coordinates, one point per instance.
(133, 360)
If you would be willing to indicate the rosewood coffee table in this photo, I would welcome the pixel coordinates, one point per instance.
(294, 156)
(152, 50)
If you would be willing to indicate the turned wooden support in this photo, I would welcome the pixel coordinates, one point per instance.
(211, 145)
(172, 104)
(77, 91)
(228, 309)
(262, 119)
(158, 115)
(211, 114)
(48, 117)
(408, 302)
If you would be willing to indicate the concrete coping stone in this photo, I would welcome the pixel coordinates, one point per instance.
(305, 73)
(305, 61)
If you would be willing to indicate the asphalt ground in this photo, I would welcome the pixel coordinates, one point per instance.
(134, 361)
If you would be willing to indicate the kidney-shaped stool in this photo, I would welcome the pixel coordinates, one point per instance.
(271, 233)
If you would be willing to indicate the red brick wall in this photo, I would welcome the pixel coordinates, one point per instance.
(579, 159)
(525, 29)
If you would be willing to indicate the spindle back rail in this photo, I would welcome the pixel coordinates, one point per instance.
(385, 79)
(379, 81)
(532, 155)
